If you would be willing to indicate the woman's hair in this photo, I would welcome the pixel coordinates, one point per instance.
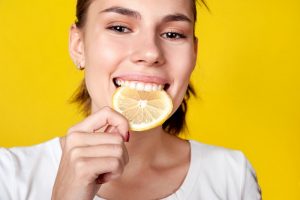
(175, 124)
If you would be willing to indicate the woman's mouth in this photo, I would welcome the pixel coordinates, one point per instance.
(139, 85)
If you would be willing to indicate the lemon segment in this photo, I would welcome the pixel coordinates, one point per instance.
(144, 110)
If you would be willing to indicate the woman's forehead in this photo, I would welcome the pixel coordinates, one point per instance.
(143, 7)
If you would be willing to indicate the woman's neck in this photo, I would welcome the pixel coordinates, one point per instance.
(145, 147)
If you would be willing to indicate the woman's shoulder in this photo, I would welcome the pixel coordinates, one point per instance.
(217, 159)
(29, 157)
(224, 171)
(31, 168)
(216, 154)
(50, 148)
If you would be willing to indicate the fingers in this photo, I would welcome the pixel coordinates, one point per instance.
(77, 139)
(87, 156)
(110, 129)
(88, 169)
(103, 117)
(105, 150)
(88, 159)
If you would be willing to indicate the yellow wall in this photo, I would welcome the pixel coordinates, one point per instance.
(247, 81)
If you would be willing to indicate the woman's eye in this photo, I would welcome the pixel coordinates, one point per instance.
(173, 35)
(119, 28)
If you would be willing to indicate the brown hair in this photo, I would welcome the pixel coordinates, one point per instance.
(175, 124)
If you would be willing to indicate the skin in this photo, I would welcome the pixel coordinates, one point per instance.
(97, 147)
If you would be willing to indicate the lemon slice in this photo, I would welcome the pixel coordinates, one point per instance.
(144, 110)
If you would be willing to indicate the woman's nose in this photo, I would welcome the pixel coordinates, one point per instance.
(147, 51)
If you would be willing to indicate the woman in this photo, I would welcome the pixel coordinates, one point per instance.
(100, 158)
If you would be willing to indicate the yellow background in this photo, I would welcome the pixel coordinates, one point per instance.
(247, 79)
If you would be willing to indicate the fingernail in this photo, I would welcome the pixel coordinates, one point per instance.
(128, 137)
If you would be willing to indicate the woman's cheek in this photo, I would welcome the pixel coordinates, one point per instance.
(106, 52)
(102, 59)
(179, 96)
(181, 72)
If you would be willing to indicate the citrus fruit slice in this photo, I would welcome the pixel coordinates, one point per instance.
(144, 110)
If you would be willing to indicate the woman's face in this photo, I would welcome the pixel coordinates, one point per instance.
(149, 41)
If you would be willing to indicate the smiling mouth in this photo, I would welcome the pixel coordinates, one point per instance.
(139, 85)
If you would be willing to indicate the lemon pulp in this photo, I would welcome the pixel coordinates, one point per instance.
(144, 110)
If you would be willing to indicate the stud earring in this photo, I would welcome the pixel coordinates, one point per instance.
(78, 65)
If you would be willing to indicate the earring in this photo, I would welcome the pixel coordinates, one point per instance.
(78, 65)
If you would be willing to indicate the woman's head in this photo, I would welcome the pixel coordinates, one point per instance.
(137, 40)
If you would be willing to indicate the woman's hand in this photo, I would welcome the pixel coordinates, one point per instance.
(89, 157)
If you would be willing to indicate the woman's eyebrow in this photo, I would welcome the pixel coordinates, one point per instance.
(123, 11)
(137, 15)
(177, 17)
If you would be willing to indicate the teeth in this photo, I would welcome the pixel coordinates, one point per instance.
(148, 87)
(154, 87)
(118, 82)
(139, 85)
(132, 85)
(126, 84)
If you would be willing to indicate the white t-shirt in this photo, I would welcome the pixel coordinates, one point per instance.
(215, 173)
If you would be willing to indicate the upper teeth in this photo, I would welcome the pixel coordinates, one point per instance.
(139, 85)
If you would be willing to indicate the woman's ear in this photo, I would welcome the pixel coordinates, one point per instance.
(76, 47)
